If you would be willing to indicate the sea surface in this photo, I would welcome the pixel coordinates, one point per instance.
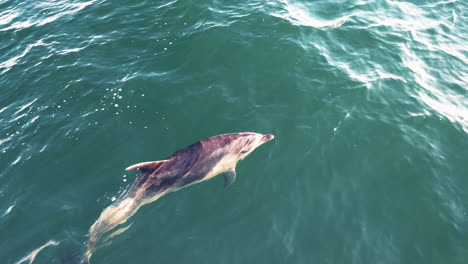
(368, 102)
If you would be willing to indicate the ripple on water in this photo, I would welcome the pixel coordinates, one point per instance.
(299, 13)
(73, 74)
(41, 13)
(9, 209)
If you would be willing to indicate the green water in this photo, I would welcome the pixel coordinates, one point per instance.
(368, 102)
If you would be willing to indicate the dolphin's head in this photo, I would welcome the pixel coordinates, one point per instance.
(244, 143)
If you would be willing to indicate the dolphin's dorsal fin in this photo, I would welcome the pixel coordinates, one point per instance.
(146, 165)
(229, 177)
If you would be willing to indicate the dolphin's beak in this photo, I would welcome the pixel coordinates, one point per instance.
(267, 137)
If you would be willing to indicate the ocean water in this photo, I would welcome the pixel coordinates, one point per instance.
(368, 101)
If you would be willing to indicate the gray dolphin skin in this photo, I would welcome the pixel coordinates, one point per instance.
(193, 164)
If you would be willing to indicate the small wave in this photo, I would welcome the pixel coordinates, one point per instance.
(167, 4)
(32, 256)
(357, 69)
(444, 101)
(60, 9)
(7, 16)
(9, 209)
(18, 159)
(26, 106)
(8, 64)
(66, 51)
(297, 14)
(432, 5)
(4, 140)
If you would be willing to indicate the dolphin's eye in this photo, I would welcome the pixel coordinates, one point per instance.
(244, 151)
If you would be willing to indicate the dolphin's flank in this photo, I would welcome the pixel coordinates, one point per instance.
(195, 163)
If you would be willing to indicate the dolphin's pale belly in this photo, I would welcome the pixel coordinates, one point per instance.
(225, 164)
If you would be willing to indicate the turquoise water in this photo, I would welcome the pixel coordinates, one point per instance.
(368, 101)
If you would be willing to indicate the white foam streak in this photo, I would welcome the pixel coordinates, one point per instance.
(74, 8)
(7, 211)
(401, 16)
(297, 14)
(448, 44)
(7, 16)
(441, 3)
(167, 4)
(26, 106)
(3, 109)
(67, 9)
(8, 64)
(32, 256)
(66, 51)
(16, 160)
(444, 101)
(367, 76)
(6, 139)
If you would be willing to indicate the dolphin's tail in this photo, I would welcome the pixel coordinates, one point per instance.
(117, 214)
(111, 217)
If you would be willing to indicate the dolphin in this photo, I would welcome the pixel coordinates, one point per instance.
(196, 163)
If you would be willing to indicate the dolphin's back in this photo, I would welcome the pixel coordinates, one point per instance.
(186, 158)
(181, 168)
(192, 163)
